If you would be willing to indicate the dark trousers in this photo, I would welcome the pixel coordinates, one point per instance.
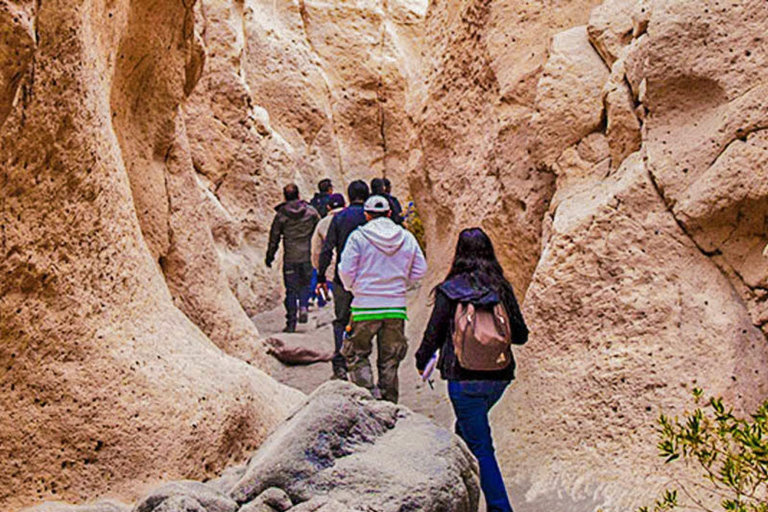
(472, 399)
(297, 278)
(342, 302)
(392, 348)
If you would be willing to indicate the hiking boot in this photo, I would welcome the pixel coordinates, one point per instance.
(303, 316)
(289, 328)
(339, 375)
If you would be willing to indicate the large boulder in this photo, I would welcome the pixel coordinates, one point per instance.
(366, 454)
(706, 133)
(626, 317)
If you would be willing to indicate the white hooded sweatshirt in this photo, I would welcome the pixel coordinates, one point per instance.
(379, 261)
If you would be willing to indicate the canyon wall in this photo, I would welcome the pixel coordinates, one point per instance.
(615, 151)
(296, 90)
(112, 299)
(622, 173)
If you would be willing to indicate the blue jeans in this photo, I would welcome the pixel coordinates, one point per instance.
(472, 399)
(297, 278)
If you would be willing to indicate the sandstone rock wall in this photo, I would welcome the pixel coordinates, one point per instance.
(106, 385)
(615, 151)
(296, 90)
(650, 118)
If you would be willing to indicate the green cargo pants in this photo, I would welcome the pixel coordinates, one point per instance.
(392, 348)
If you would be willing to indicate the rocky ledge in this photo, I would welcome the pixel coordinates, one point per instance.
(341, 451)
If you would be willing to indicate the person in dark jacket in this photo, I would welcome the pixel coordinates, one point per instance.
(379, 188)
(343, 223)
(320, 201)
(396, 202)
(294, 223)
(477, 278)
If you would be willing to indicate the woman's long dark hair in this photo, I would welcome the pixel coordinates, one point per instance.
(476, 259)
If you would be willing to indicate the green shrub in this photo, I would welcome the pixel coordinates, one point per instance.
(731, 451)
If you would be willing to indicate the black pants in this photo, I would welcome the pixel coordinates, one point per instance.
(342, 302)
(297, 278)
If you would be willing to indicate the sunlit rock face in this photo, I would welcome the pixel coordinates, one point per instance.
(112, 299)
(615, 151)
(297, 91)
(651, 280)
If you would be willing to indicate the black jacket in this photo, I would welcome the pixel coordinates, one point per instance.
(320, 203)
(342, 225)
(439, 333)
(295, 223)
(397, 210)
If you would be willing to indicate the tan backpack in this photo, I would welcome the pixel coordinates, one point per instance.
(482, 338)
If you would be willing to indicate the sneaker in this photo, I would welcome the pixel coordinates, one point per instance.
(289, 328)
(303, 316)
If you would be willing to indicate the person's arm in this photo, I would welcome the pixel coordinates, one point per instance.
(419, 263)
(437, 331)
(349, 261)
(396, 210)
(317, 246)
(326, 254)
(275, 233)
(516, 321)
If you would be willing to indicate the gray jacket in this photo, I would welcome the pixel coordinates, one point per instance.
(294, 224)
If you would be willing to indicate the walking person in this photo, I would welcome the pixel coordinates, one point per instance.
(379, 188)
(335, 205)
(396, 206)
(475, 292)
(294, 224)
(342, 224)
(320, 200)
(379, 262)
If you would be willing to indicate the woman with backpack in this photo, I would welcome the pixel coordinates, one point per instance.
(475, 320)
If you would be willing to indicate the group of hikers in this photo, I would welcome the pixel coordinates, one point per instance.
(475, 317)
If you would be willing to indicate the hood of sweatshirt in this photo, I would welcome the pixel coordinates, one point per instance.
(295, 209)
(468, 288)
(384, 234)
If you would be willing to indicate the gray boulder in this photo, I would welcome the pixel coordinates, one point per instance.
(345, 446)
(208, 498)
(321, 504)
(271, 500)
(180, 504)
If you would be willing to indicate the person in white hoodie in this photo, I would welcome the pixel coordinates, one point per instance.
(379, 262)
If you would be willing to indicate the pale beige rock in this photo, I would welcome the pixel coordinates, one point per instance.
(482, 63)
(101, 372)
(626, 316)
(706, 97)
(569, 99)
(17, 42)
(612, 26)
(622, 125)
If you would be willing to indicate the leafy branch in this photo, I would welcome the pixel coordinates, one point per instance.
(732, 453)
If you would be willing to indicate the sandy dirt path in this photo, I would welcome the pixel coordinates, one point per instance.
(318, 334)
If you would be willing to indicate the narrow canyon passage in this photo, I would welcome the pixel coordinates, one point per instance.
(616, 151)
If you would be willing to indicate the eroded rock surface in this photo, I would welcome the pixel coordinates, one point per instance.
(106, 384)
(342, 450)
(364, 453)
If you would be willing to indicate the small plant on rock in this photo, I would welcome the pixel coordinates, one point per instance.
(415, 225)
(731, 451)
